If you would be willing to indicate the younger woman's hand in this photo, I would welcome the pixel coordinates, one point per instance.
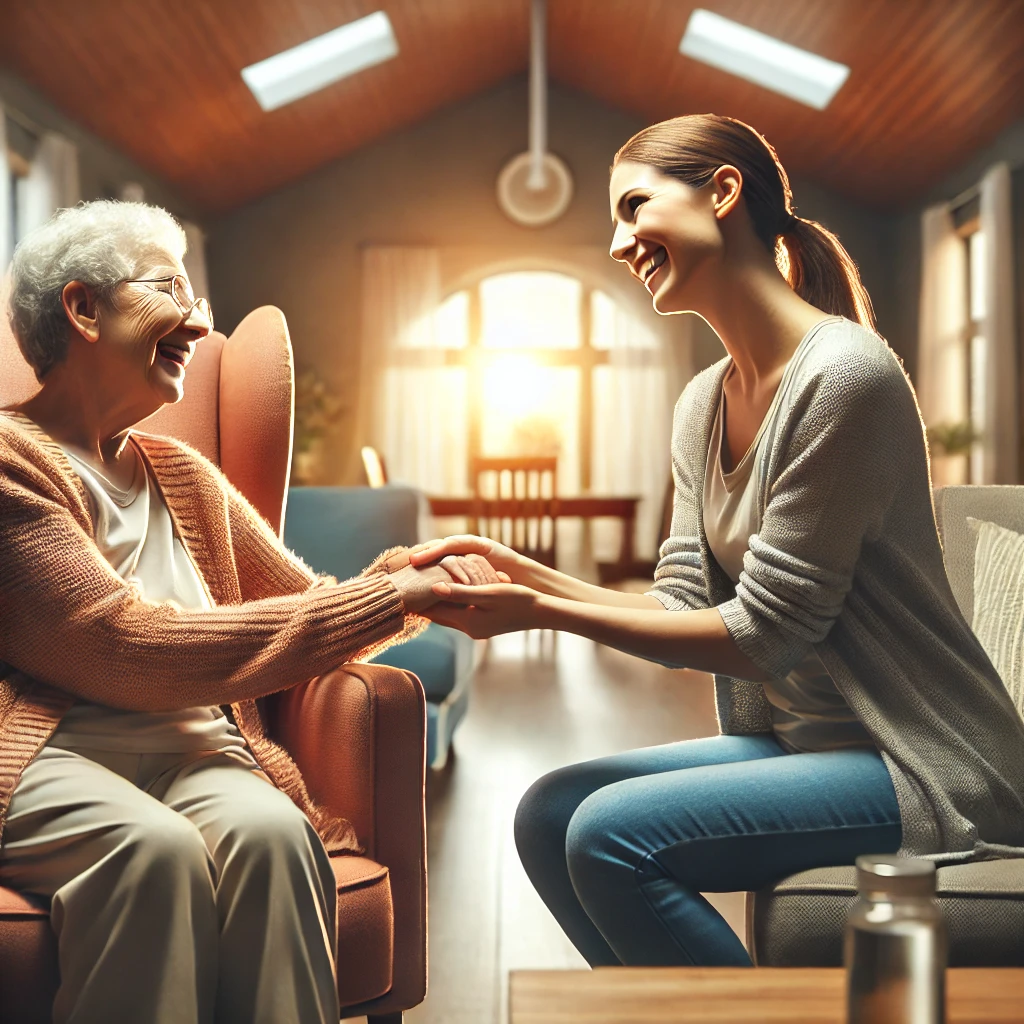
(501, 558)
(485, 611)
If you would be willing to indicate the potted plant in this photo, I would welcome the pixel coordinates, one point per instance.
(317, 410)
(951, 445)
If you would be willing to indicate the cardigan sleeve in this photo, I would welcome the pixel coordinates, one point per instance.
(68, 619)
(841, 458)
(266, 567)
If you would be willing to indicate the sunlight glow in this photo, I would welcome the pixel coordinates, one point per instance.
(516, 387)
(530, 309)
(527, 407)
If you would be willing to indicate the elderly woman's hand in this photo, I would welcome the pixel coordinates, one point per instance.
(502, 559)
(472, 570)
(415, 583)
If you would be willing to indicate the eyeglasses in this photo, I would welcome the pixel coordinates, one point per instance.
(181, 291)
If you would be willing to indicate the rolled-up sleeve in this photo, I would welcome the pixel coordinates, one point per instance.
(679, 576)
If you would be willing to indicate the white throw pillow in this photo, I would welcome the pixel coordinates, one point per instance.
(999, 602)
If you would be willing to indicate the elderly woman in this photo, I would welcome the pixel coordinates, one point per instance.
(186, 866)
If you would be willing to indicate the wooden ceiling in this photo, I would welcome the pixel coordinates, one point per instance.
(932, 81)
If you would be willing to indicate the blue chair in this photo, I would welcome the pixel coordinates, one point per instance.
(340, 530)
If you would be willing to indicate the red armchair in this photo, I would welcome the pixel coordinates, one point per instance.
(357, 734)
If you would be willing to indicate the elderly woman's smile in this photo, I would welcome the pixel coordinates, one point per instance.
(172, 353)
(158, 310)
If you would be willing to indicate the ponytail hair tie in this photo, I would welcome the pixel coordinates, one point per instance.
(789, 223)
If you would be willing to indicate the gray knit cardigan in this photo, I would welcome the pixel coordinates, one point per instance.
(848, 561)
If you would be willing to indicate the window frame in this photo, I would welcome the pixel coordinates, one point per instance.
(967, 223)
(475, 357)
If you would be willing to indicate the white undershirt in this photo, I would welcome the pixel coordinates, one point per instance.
(135, 534)
(808, 712)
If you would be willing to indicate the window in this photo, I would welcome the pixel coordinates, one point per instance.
(976, 347)
(968, 226)
(542, 354)
(525, 363)
(11, 187)
(21, 144)
(547, 365)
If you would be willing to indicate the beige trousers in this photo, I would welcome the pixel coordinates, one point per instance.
(185, 889)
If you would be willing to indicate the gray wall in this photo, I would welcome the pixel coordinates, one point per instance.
(433, 184)
(102, 170)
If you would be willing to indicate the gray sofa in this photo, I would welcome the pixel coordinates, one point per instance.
(799, 921)
(340, 530)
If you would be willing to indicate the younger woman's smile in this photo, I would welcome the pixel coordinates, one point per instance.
(651, 266)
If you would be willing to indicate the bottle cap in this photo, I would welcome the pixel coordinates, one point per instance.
(887, 875)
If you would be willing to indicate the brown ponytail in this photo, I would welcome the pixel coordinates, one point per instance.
(822, 272)
(691, 148)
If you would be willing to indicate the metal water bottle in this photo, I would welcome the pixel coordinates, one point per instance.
(896, 946)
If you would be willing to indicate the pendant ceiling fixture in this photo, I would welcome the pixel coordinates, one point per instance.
(535, 188)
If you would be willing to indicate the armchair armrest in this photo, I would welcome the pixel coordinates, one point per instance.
(358, 735)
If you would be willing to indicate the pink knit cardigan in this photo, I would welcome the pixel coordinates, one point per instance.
(71, 628)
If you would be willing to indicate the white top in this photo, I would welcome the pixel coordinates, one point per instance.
(135, 534)
(808, 712)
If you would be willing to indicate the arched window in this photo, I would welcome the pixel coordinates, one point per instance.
(550, 365)
(516, 363)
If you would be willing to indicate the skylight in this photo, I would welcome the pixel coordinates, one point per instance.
(312, 65)
(761, 59)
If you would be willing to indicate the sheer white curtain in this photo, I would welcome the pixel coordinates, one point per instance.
(998, 450)
(632, 423)
(6, 211)
(415, 406)
(195, 259)
(51, 183)
(941, 363)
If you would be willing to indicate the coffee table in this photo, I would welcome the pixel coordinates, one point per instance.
(727, 995)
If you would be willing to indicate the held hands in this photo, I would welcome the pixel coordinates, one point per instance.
(416, 583)
(503, 559)
(471, 589)
(485, 611)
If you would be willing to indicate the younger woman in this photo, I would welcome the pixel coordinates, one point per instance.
(858, 712)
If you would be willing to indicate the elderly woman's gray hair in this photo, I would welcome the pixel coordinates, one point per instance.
(101, 244)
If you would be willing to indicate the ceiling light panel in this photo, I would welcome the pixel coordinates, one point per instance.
(321, 61)
(761, 59)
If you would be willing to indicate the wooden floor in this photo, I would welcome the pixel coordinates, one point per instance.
(540, 700)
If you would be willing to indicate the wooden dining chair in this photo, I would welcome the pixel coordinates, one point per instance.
(515, 502)
(374, 466)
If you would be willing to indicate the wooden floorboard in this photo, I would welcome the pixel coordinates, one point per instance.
(539, 701)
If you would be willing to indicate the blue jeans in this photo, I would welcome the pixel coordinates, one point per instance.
(620, 848)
